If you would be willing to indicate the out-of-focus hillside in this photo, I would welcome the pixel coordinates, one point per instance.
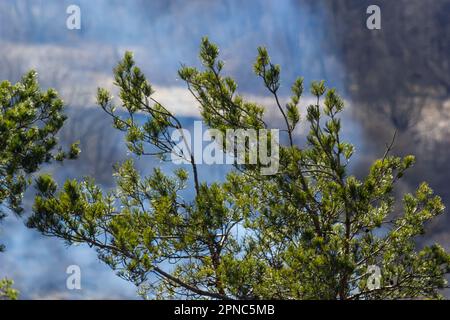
(398, 78)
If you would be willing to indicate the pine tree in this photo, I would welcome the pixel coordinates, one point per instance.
(6, 290)
(311, 231)
(29, 121)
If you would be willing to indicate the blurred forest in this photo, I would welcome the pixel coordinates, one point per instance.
(398, 78)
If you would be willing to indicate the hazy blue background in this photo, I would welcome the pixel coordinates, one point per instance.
(308, 38)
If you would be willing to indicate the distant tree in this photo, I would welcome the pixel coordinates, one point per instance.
(311, 231)
(29, 121)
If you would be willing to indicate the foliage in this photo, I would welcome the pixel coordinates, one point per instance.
(311, 231)
(29, 121)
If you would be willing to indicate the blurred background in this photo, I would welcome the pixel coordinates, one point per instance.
(393, 79)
